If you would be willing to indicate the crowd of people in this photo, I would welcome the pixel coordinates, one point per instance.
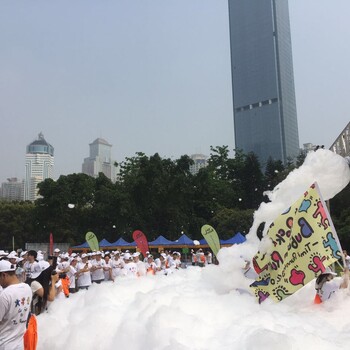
(29, 282)
(61, 274)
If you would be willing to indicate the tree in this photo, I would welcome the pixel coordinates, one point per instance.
(230, 221)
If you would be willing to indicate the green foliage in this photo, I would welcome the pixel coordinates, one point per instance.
(230, 221)
(16, 223)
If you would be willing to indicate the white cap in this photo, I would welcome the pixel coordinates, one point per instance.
(127, 256)
(328, 271)
(23, 253)
(40, 257)
(84, 256)
(3, 253)
(37, 271)
(44, 264)
(57, 250)
(136, 254)
(6, 266)
(12, 256)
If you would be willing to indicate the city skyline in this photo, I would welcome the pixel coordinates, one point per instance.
(150, 76)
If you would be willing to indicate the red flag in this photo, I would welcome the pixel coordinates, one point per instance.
(141, 241)
(51, 244)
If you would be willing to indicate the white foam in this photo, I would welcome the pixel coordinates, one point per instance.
(201, 308)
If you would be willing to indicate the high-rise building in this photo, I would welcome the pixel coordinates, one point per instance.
(199, 161)
(265, 117)
(100, 160)
(39, 166)
(12, 190)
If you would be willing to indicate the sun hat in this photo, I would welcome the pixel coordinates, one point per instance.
(127, 256)
(6, 266)
(37, 271)
(328, 271)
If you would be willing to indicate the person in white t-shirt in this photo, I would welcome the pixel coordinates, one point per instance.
(31, 266)
(151, 266)
(326, 286)
(71, 273)
(108, 268)
(141, 266)
(97, 269)
(117, 265)
(83, 273)
(15, 302)
(346, 258)
(130, 267)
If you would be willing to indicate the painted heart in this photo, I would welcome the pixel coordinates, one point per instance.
(296, 277)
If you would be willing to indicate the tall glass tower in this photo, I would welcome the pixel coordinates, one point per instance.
(265, 118)
(39, 166)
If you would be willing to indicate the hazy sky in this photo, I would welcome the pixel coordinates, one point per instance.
(151, 76)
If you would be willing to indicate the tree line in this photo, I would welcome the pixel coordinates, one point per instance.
(156, 195)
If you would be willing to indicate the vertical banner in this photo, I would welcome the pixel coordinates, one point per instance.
(92, 241)
(212, 238)
(51, 244)
(141, 241)
(304, 243)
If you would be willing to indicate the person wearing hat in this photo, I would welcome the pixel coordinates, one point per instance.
(83, 273)
(141, 266)
(97, 269)
(130, 268)
(151, 266)
(15, 302)
(117, 265)
(326, 285)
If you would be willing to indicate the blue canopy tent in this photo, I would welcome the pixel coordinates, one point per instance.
(161, 241)
(82, 246)
(121, 242)
(183, 241)
(104, 243)
(236, 239)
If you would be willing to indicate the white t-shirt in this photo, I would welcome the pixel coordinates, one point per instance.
(84, 279)
(347, 261)
(117, 267)
(71, 275)
(130, 269)
(141, 268)
(98, 274)
(329, 288)
(107, 272)
(14, 309)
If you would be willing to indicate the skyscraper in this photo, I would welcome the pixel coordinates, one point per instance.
(199, 161)
(39, 166)
(100, 160)
(265, 118)
(12, 190)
